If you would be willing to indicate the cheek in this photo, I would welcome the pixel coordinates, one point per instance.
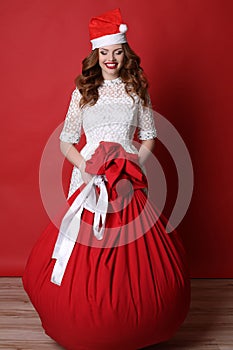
(121, 60)
(101, 61)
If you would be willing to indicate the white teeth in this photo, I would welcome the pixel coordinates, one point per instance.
(111, 64)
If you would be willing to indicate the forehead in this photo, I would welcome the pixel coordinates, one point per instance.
(111, 47)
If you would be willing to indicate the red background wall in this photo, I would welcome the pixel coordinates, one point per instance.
(185, 51)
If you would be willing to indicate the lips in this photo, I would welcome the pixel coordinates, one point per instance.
(111, 65)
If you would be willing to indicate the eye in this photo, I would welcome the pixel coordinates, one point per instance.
(119, 52)
(103, 53)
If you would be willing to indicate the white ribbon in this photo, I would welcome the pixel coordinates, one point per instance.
(70, 225)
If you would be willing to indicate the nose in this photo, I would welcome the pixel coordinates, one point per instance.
(112, 56)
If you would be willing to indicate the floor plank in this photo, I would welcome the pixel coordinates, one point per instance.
(209, 325)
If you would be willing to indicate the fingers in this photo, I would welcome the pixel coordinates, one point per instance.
(86, 177)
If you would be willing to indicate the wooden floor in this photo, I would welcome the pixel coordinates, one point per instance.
(209, 324)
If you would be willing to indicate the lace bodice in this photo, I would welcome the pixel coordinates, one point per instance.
(114, 117)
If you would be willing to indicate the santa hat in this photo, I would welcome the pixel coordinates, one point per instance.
(107, 29)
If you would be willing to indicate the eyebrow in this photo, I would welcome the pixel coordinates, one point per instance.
(119, 48)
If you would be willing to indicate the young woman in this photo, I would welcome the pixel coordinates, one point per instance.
(110, 277)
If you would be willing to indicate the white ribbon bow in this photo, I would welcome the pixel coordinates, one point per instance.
(70, 225)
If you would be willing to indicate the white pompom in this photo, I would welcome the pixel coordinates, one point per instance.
(123, 28)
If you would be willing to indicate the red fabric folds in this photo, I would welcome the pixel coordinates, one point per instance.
(123, 174)
(116, 164)
(131, 291)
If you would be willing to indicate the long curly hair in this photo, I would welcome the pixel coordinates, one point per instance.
(131, 74)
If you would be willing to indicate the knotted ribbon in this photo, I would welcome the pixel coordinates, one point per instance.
(70, 225)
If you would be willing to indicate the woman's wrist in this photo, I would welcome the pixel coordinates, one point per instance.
(82, 165)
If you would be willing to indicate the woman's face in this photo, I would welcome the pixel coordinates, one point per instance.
(111, 60)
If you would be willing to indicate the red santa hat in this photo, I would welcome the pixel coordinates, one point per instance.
(107, 29)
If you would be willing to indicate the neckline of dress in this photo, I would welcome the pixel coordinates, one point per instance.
(113, 81)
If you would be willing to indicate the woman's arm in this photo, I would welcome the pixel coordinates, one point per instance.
(75, 158)
(145, 150)
(147, 131)
(71, 153)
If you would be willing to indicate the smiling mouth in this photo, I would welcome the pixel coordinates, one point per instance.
(112, 65)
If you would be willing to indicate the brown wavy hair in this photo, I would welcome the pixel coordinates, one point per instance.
(131, 74)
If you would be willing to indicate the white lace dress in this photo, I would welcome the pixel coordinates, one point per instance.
(115, 117)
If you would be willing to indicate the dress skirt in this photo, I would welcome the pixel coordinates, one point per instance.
(125, 290)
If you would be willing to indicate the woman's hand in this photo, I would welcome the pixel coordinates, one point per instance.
(71, 153)
(85, 176)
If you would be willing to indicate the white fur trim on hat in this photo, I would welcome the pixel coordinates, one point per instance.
(110, 39)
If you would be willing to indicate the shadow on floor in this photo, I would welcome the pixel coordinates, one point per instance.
(205, 325)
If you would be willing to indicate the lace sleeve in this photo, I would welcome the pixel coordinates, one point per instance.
(72, 126)
(146, 125)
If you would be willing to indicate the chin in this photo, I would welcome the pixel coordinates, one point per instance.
(111, 74)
